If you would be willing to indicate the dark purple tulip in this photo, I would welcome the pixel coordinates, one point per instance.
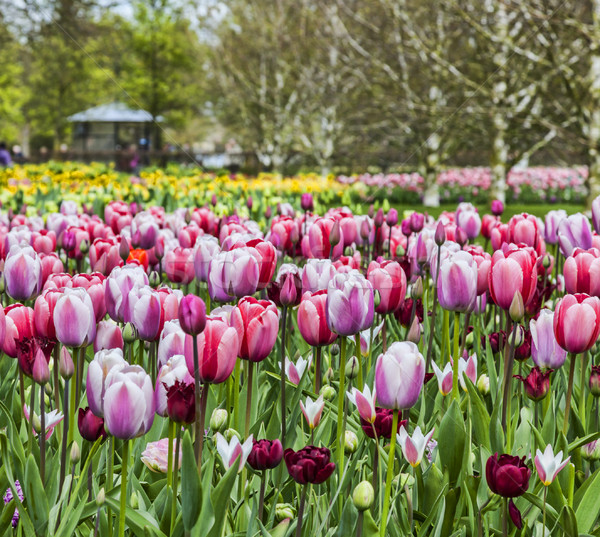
(309, 465)
(536, 384)
(181, 402)
(90, 427)
(382, 423)
(507, 476)
(265, 454)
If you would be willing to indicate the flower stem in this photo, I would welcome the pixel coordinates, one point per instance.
(301, 511)
(445, 334)
(124, 462)
(455, 355)
(63, 447)
(582, 391)
(504, 517)
(317, 369)
(170, 455)
(569, 394)
(261, 497)
(197, 425)
(42, 435)
(175, 478)
(341, 399)
(109, 480)
(360, 359)
(283, 326)
(390, 471)
(202, 425)
(544, 511)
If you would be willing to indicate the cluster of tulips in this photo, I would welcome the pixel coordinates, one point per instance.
(290, 360)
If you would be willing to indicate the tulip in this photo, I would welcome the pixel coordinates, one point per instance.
(100, 366)
(594, 382)
(507, 476)
(51, 420)
(596, 214)
(288, 276)
(51, 264)
(548, 465)
(205, 249)
(399, 375)
(574, 232)
(19, 325)
(28, 350)
(457, 283)
(319, 239)
(294, 372)
(511, 271)
(582, 272)
(591, 451)
(266, 257)
(40, 372)
(524, 229)
(312, 411)
(391, 218)
(66, 367)
(467, 368)
(382, 426)
(350, 304)
(365, 403)
(233, 274)
(536, 384)
(118, 287)
(545, 350)
(108, 336)
(499, 236)
(444, 377)
(145, 312)
(316, 274)
(95, 285)
(181, 402)
(258, 322)
(551, 222)
(389, 279)
(483, 260)
(22, 273)
(90, 426)
(156, 456)
(8, 497)
(309, 465)
(74, 318)
(144, 230)
(174, 370)
(231, 451)
(192, 314)
(179, 265)
(104, 255)
(413, 447)
(577, 322)
(218, 347)
(170, 343)
(265, 454)
(488, 222)
(312, 319)
(468, 219)
(43, 313)
(306, 201)
(128, 402)
(497, 207)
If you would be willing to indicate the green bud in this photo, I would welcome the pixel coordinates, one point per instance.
(154, 279)
(352, 367)
(404, 480)
(376, 298)
(48, 389)
(591, 451)
(134, 502)
(350, 442)
(230, 433)
(363, 496)
(335, 349)
(348, 251)
(414, 334)
(218, 420)
(400, 251)
(36, 423)
(2, 284)
(416, 290)
(101, 498)
(84, 246)
(469, 340)
(328, 392)
(283, 511)
(483, 384)
(328, 377)
(518, 334)
(546, 261)
(75, 454)
(129, 333)
(517, 308)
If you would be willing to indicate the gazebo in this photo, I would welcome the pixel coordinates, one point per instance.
(112, 127)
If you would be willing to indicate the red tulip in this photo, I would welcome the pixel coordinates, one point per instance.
(513, 269)
(258, 320)
(389, 279)
(577, 322)
(312, 319)
(19, 325)
(90, 427)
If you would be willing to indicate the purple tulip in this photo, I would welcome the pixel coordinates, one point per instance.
(551, 221)
(173, 371)
(574, 232)
(350, 304)
(144, 230)
(192, 314)
(118, 286)
(545, 351)
(399, 375)
(468, 219)
(128, 402)
(457, 282)
(205, 249)
(171, 342)
(306, 201)
(497, 207)
(316, 275)
(596, 214)
(233, 274)
(145, 312)
(23, 273)
(98, 369)
(74, 318)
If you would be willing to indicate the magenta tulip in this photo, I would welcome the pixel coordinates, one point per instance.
(22, 273)
(258, 321)
(74, 318)
(108, 336)
(312, 319)
(350, 304)
(577, 322)
(389, 279)
(457, 283)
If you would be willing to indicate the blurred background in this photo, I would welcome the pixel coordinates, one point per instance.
(339, 86)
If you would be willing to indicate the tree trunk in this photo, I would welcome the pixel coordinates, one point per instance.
(499, 158)
(594, 110)
(431, 194)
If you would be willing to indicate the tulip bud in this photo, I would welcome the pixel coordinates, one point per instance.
(371, 211)
(283, 511)
(517, 308)
(100, 498)
(469, 340)
(348, 251)
(328, 377)
(40, 371)
(497, 207)
(124, 249)
(36, 423)
(363, 496)
(2, 284)
(268, 213)
(249, 203)
(546, 261)
(288, 293)
(461, 236)
(365, 229)
(404, 480)
(154, 279)
(416, 290)
(75, 454)
(328, 393)
(84, 246)
(350, 442)
(517, 335)
(48, 391)
(334, 234)
(483, 384)
(128, 333)
(391, 218)
(379, 218)
(376, 299)
(306, 202)
(134, 502)
(335, 349)
(595, 381)
(414, 334)
(65, 364)
(213, 200)
(440, 234)
(352, 367)
(192, 315)
(591, 452)
(218, 419)
(230, 433)
(294, 235)
(400, 251)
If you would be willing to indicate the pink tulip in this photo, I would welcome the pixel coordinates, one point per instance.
(156, 455)
(233, 274)
(51, 264)
(20, 325)
(258, 321)
(233, 451)
(582, 272)
(484, 263)
(545, 351)
(144, 230)
(524, 229)
(266, 257)
(74, 318)
(108, 336)
(365, 402)
(43, 241)
(513, 269)
(389, 279)
(104, 255)
(294, 371)
(118, 286)
(350, 304)
(444, 377)
(316, 274)
(145, 312)
(43, 313)
(319, 239)
(468, 219)
(577, 322)
(95, 285)
(457, 283)
(206, 248)
(192, 314)
(98, 370)
(413, 447)
(179, 265)
(312, 319)
(22, 273)
(171, 342)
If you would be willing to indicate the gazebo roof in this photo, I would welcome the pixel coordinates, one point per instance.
(116, 112)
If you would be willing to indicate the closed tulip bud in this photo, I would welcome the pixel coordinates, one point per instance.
(391, 218)
(350, 442)
(129, 333)
(213, 200)
(414, 334)
(154, 279)
(469, 340)
(365, 229)
(517, 308)
(400, 251)
(84, 246)
(497, 207)
(134, 502)
(306, 202)
(363, 496)
(218, 420)
(49, 391)
(249, 203)
(328, 393)
(440, 234)
(288, 293)
(376, 299)
(268, 213)
(124, 249)
(334, 234)
(40, 371)
(517, 336)
(192, 315)
(100, 498)
(335, 349)
(591, 452)
(284, 511)
(416, 290)
(230, 433)
(352, 367)
(483, 384)
(461, 236)
(546, 261)
(348, 251)
(379, 218)
(328, 377)
(75, 454)
(595, 381)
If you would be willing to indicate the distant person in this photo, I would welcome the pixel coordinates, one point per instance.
(5, 159)
(134, 159)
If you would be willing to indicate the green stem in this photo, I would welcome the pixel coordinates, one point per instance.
(544, 511)
(283, 326)
(124, 462)
(390, 472)
(445, 335)
(170, 455)
(109, 480)
(569, 394)
(63, 447)
(360, 360)
(340, 412)
(201, 423)
(318, 369)
(504, 517)
(301, 511)
(455, 356)
(175, 478)
(582, 391)
(42, 435)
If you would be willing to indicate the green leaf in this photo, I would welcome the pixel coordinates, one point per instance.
(138, 521)
(219, 498)
(587, 510)
(191, 493)
(568, 522)
(479, 415)
(370, 529)
(348, 520)
(35, 497)
(451, 442)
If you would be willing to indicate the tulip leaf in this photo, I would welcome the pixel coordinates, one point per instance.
(496, 431)
(191, 493)
(587, 510)
(568, 522)
(433, 512)
(583, 441)
(348, 521)
(451, 442)
(138, 521)
(370, 528)
(479, 415)
(35, 496)
(7, 514)
(219, 499)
